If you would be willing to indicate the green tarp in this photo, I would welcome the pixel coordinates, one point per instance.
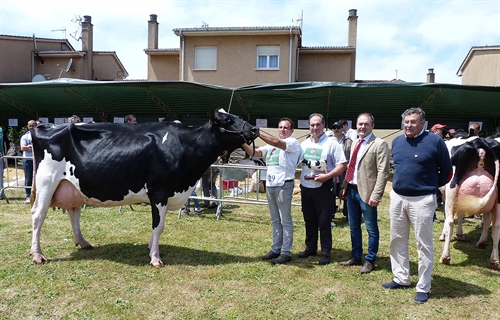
(189, 102)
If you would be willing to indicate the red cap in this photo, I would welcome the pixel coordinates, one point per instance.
(438, 126)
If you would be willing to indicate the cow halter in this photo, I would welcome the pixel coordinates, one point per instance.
(223, 130)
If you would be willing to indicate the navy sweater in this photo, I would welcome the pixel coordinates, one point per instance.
(421, 164)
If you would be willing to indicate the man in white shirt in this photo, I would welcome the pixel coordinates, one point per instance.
(27, 149)
(316, 187)
(282, 157)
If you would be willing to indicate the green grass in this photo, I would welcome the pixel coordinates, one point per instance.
(213, 270)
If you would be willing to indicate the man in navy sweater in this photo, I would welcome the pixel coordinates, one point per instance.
(421, 165)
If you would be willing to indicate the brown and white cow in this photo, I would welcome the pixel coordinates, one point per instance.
(473, 190)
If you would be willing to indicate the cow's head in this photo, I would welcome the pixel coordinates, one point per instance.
(236, 131)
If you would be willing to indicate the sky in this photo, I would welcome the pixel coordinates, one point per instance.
(396, 39)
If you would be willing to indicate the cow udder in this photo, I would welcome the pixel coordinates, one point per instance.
(476, 185)
(67, 196)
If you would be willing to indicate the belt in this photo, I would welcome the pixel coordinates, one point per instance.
(353, 186)
(289, 180)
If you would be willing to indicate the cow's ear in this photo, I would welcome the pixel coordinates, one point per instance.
(213, 121)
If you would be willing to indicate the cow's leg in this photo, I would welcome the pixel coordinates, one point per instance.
(159, 212)
(483, 239)
(74, 218)
(38, 214)
(448, 224)
(459, 236)
(495, 234)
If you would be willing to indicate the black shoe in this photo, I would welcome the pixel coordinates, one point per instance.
(270, 255)
(324, 260)
(306, 253)
(212, 205)
(282, 259)
(394, 285)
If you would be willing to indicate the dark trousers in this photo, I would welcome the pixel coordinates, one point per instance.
(28, 175)
(317, 212)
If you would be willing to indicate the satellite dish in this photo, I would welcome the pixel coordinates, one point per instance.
(69, 65)
(38, 78)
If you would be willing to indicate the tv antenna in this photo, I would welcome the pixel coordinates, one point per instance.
(63, 30)
(300, 21)
(77, 35)
(204, 24)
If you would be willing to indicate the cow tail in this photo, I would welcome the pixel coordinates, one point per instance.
(484, 200)
(33, 184)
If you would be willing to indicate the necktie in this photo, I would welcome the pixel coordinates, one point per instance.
(352, 163)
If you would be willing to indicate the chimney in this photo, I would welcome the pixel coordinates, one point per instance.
(152, 32)
(431, 76)
(88, 48)
(353, 28)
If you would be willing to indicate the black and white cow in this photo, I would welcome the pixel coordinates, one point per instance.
(107, 164)
(473, 190)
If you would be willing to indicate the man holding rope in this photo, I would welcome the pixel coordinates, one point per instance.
(282, 157)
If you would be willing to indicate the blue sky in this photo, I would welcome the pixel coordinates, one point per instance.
(407, 36)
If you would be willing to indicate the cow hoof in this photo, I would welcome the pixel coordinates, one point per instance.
(460, 237)
(481, 245)
(445, 260)
(39, 259)
(157, 264)
(495, 265)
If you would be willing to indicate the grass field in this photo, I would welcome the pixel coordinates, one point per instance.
(213, 270)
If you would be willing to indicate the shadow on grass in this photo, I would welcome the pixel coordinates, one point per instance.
(137, 255)
(444, 287)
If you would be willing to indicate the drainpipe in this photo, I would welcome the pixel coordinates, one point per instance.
(182, 55)
(290, 62)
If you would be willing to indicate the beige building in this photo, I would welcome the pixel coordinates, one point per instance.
(240, 56)
(24, 59)
(481, 66)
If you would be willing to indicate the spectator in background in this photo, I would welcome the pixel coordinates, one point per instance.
(27, 149)
(197, 208)
(345, 143)
(74, 119)
(346, 131)
(208, 184)
(439, 129)
(130, 118)
(2, 162)
(474, 129)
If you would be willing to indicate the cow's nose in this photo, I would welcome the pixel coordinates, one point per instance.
(255, 131)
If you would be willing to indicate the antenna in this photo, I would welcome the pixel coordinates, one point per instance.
(63, 30)
(204, 24)
(300, 20)
(77, 35)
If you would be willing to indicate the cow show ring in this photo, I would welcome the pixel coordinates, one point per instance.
(243, 183)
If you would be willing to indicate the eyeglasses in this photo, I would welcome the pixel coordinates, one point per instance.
(336, 128)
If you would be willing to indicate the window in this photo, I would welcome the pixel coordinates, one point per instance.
(268, 57)
(205, 58)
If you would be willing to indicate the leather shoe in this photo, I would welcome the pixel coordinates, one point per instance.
(350, 262)
(367, 268)
(282, 259)
(306, 253)
(324, 260)
(394, 285)
(270, 255)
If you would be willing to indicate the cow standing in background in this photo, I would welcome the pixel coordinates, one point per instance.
(473, 190)
(107, 164)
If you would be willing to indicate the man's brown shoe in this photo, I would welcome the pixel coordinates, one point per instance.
(351, 262)
(367, 268)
